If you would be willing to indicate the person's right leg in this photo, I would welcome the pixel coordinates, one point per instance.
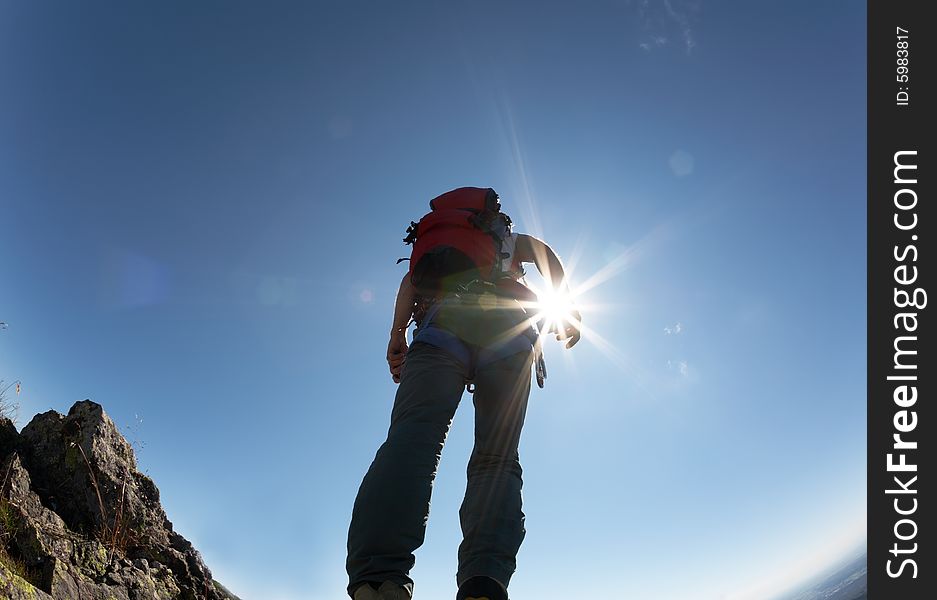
(389, 516)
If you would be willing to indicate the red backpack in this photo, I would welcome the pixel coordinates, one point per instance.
(459, 241)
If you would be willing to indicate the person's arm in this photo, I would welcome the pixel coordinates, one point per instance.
(532, 250)
(403, 310)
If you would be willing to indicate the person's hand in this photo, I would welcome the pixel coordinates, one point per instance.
(570, 329)
(397, 353)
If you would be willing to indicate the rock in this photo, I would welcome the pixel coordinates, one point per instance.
(9, 437)
(78, 520)
(14, 587)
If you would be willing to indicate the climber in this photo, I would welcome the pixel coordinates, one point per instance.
(476, 330)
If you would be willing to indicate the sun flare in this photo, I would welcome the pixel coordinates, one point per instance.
(554, 310)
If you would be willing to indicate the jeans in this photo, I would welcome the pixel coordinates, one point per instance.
(391, 510)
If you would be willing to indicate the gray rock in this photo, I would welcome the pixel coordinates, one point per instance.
(9, 437)
(78, 520)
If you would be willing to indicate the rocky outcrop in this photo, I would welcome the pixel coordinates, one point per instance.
(78, 520)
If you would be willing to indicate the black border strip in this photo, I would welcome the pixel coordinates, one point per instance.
(900, 270)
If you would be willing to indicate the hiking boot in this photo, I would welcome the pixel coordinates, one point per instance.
(482, 588)
(388, 591)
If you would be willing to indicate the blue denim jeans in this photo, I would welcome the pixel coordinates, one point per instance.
(391, 510)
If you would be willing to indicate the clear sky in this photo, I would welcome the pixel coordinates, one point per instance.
(202, 204)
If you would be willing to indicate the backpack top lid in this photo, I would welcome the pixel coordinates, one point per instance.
(472, 198)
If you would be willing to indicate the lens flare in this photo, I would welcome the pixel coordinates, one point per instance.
(554, 310)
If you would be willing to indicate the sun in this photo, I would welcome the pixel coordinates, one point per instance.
(554, 309)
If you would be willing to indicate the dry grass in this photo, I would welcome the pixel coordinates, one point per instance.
(8, 408)
(114, 533)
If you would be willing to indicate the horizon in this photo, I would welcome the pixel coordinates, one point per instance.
(204, 205)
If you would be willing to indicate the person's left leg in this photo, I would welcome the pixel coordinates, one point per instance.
(491, 515)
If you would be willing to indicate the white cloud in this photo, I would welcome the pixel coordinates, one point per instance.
(661, 18)
(682, 20)
(681, 367)
(675, 330)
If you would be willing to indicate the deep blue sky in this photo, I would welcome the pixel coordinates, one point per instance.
(202, 203)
